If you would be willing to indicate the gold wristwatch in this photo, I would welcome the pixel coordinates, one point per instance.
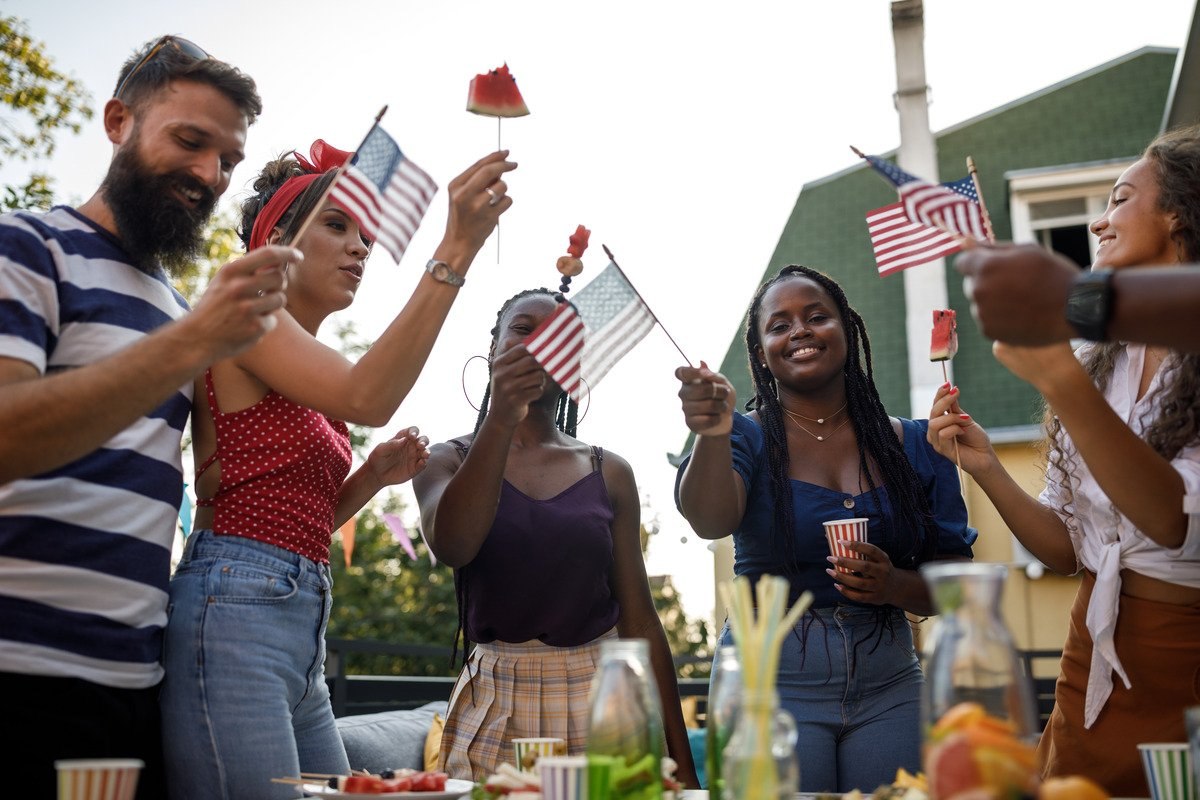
(441, 271)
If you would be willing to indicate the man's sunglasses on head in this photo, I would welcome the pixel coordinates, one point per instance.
(187, 48)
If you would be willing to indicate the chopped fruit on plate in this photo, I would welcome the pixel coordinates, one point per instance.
(401, 780)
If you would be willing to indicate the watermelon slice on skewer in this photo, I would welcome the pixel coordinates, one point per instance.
(943, 345)
(495, 94)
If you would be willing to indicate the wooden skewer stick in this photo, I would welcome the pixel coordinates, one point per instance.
(957, 460)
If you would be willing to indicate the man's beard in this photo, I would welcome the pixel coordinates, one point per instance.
(155, 228)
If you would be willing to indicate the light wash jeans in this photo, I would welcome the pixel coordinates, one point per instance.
(244, 699)
(857, 710)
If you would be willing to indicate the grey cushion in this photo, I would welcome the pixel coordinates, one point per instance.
(391, 740)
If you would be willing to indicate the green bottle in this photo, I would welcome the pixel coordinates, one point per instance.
(625, 731)
(724, 698)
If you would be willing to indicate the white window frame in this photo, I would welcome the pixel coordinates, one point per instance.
(1092, 182)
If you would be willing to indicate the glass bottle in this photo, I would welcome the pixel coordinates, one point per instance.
(724, 698)
(760, 759)
(978, 705)
(625, 733)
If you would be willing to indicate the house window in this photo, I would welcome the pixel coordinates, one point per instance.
(1053, 205)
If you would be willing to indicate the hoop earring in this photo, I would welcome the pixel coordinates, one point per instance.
(464, 379)
(588, 407)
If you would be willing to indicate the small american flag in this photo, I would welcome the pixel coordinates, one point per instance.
(580, 342)
(900, 243)
(386, 193)
(921, 227)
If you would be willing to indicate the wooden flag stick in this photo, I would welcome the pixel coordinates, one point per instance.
(987, 219)
(657, 321)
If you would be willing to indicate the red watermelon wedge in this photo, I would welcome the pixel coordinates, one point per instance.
(495, 94)
(943, 345)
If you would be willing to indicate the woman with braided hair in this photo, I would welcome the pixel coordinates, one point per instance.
(817, 445)
(1122, 474)
(543, 532)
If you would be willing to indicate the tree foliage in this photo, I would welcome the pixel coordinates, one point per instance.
(45, 103)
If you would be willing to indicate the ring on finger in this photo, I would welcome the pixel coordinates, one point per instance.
(495, 198)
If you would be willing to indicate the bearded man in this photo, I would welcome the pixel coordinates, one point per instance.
(97, 358)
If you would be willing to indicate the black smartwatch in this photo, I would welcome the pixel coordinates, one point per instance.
(1089, 304)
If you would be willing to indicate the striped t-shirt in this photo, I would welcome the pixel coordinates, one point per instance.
(85, 548)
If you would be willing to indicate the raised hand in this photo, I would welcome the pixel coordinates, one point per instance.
(477, 199)
(239, 306)
(948, 422)
(708, 400)
(1018, 293)
(517, 380)
(399, 458)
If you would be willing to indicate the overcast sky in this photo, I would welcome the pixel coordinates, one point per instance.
(679, 132)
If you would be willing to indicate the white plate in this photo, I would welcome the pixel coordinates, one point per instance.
(455, 787)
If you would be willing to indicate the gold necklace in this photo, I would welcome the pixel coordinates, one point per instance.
(815, 436)
(819, 421)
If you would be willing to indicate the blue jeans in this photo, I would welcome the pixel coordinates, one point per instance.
(854, 687)
(244, 699)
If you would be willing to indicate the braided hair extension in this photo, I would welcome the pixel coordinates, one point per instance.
(566, 419)
(913, 538)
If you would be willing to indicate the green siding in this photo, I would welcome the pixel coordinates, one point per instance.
(1112, 113)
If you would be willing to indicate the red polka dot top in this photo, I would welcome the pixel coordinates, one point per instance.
(282, 469)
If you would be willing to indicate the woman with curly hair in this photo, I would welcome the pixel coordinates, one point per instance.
(817, 445)
(1123, 471)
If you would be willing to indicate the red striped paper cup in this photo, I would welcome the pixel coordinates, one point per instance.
(98, 778)
(854, 530)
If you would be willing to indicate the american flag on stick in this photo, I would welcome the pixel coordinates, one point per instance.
(580, 342)
(928, 222)
(385, 192)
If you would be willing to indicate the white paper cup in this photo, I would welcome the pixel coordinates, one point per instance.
(98, 778)
(563, 777)
(528, 751)
(1168, 771)
(853, 529)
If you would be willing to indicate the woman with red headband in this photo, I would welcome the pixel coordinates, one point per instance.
(244, 698)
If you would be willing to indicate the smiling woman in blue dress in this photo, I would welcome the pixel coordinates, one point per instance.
(817, 445)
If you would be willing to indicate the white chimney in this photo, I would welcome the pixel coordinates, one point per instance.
(924, 285)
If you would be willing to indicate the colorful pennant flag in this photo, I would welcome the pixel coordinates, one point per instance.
(386, 193)
(347, 531)
(926, 223)
(400, 534)
(580, 342)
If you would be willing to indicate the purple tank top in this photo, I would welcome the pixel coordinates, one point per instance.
(543, 571)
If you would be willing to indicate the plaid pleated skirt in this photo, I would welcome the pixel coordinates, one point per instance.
(511, 691)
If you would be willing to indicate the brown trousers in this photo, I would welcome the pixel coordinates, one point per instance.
(1159, 646)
